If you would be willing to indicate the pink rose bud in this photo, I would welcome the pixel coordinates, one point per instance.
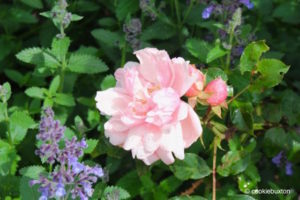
(217, 89)
(198, 84)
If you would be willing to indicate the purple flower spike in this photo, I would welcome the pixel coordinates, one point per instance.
(277, 159)
(288, 169)
(60, 190)
(207, 12)
(247, 3)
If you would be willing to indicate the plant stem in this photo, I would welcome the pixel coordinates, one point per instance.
(177, 12)
(238, 94)
(188, 11)
(214, 171)
(231, 34)
(123, 57)
(62, 74)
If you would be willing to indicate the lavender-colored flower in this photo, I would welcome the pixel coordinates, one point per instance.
(207, 12)
(50, 134)
(288, 169)
(247, 3)
(132, 30)
(147, 7)
(278, 159)
(69, 172)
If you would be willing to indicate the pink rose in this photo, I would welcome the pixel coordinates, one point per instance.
(198, 84)
(217, 91)
(147, 115)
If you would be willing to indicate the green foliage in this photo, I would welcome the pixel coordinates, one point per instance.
(54, 60)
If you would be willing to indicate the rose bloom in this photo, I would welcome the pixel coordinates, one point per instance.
(198, 85)
(147, 115)
(217, 91)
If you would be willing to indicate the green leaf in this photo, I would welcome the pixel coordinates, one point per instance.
(19, 123)
(32, 172)
(158, 30)
(251, 55)
(213, 73)
(9, 159)
(35, 92)
(242, 119)
(277, 138)
(30, 55)
(272, 72)
(108, 82)
(3, 107)
(170, 184)
(84, 63)
(288, 12)
(107, 21)
(5, 92)
(60, 47)
(15, 76)
(125, 8)
(215, 53)
(272, 112)
(22, 119)
(38, 56)
(198, 48)
(91, 145)
(54, 85)
(115, 191)
(9, 186)
(28, 192)
(38, 4)
(238, 197)
(64, 99)
(192, 167)
(76, 17)
(107, 37)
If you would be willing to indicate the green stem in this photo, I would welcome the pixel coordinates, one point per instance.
(231, 34)
(188, 11)
(177, 12)
(7, 123)
(123, 57)
(214, 171)
(62, 74)
(238, 94)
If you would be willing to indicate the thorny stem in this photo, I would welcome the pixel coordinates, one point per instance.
(214, 171)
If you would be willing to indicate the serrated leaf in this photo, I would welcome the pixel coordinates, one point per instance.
(19, 123)
(22, 119)
(87, 64)
(32, 172)
(91, 145)
(54, 85)
(192, 167)
(64, 99)
(35, 92)
(198, 48)
(272, 72)
(30, 55)
(251, 55)
(115, 191)
(59, 47)
(9, 158)
(159, 31)
(125, 8)
(38, 56)
(215, 53)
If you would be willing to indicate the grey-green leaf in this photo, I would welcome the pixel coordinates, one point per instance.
(86, 64)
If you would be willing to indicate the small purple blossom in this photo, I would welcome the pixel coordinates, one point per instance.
(280, 160)
(69, 175)
(247, 3)
(207, 12)
(288, 169)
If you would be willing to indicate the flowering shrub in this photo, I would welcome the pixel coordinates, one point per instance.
(145, 99)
